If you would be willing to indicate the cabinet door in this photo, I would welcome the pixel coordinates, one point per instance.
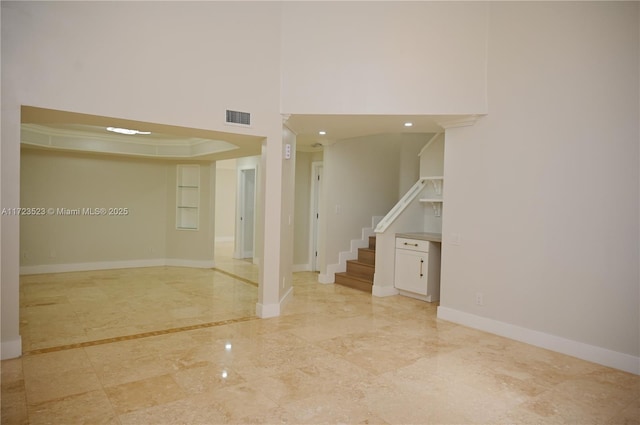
(411, 271)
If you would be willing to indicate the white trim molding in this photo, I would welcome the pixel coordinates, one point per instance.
(225, 239)
(196, 264)
(383, 291)
(296, 268)
(461, 121)
(265, 311)
(326, 278)
(11, 349)
(599, 355)
(288, 296)
(429, 143)
(76, 140)
(108, 265)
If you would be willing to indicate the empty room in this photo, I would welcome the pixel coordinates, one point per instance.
(436, 215)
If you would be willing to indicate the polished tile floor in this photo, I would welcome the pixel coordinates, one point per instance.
(182, 346)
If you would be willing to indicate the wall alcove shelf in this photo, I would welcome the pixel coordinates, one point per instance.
(188, 197)
(435, 196)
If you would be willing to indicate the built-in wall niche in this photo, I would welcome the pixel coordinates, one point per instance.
(433, 194)
(187, 197)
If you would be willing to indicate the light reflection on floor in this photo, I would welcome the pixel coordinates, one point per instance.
(335, 355)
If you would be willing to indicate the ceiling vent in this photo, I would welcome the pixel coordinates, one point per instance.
(236, 117)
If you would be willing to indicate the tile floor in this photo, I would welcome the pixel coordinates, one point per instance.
(194, 353)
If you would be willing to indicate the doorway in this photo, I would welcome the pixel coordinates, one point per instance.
(246, 213)
(316, 207)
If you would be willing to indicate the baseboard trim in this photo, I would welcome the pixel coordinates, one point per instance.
(11, 349)
(301, 268)
(288, 296)
(383, 291)
(108, 265)
(81, 267)
(224, 239)
(326, 278)
(265, 311)
(196, 264)
(599, 355)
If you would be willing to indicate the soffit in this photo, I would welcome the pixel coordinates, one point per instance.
(173, 138)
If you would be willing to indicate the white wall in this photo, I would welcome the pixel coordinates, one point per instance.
(225, 202)
(301, 235)
(164, 62)
(384, 57)
(410, 147)
(248, 163)
(432, 158)
(361, 181)
(189, 247)
(276, 224)
(544, 190)
(145, 235)
(432, 164)
(74, 181)
(288, 215)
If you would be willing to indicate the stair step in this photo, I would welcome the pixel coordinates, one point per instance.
(355, 282)
(359, 269)
(367, 255)
(372, 242)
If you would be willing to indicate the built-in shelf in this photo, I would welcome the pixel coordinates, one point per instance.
(436, 182)
(187, 197)
(436, 202)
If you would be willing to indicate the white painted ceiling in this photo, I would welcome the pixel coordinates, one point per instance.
(83, 128)
(341, 127)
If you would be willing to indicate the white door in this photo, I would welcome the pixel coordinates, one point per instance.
(316, 202)
(247, 211)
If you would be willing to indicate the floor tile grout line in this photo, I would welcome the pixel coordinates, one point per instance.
(242, 279)
(138, 336)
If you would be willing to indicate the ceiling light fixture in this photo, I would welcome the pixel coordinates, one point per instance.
(322, 132)
(126, 131)
(408, 124)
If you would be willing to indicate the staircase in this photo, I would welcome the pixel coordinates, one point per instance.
(359, 274)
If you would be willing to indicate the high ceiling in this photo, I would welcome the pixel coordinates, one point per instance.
(53, 129)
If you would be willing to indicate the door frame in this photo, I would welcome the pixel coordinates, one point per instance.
(241, 251)
(316, 200)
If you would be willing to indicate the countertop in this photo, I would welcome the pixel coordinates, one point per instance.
(422, 236)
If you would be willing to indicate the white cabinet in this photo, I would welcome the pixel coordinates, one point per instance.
(417, 268)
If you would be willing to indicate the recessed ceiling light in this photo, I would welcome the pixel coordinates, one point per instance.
(126, 131)
(408, 124)
(322, 132)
